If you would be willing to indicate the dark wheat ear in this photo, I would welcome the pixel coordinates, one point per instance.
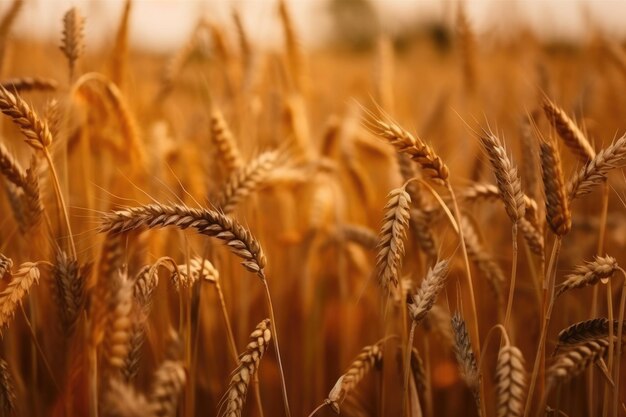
(7, 390)
(584, 331)
(465, 357)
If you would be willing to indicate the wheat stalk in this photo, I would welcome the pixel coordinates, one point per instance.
(235, 396)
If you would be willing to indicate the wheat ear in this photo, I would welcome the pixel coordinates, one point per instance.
(595, 171)
(69, 282)
(370, 357)
(558, 213)
(567, 129)
(510, 381)
(235, 397)
(169, 381)
(247, 179)
(7, 390)
(392, 237)
(207, 222)
(225, 143)
(72, 42)
(10, 168)
(11, 297)
(590, 273)
(465, 357)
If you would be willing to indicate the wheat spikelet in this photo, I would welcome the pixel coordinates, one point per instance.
(72, 44)
(7, 390)
(24, 84)
(572, 136)
(246, 180)
(583, 331)
(118, 322)
(509, 184)
(69, 289)
(207, 222)
(370, 357)
(558, 214)
(5, 266)
(36, 131)
(601, 268)
(27, 274)
(392, 237)
(421, 302)
(575, 360)
(595, 171)
(10, 168)
(511, 382)
(362, 235)
(121, 400)
(465, 356)
(235, 397)
(483, 260)
(225, 143)
(403, 141)
(169, 381)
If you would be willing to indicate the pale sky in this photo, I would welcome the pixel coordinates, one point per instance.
(165, 24)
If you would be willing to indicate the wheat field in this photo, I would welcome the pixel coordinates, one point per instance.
(426, 224)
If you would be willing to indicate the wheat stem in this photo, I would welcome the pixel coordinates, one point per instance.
(620, 324)
(407, 365)
(509, 304)
(280, 363)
